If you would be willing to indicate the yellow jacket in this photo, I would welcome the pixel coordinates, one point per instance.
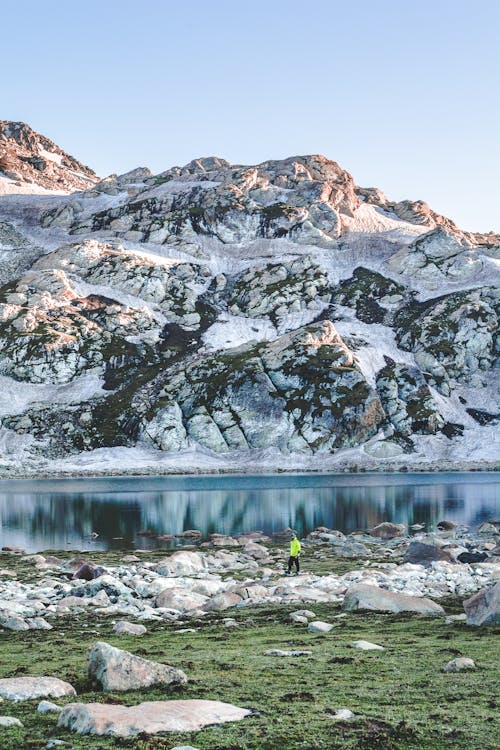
(294, 548)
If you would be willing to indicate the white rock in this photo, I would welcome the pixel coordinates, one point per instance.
(45, 707)
(150, 717)
(459, 664)
(26, 688)
(317, 626)
(366, 646)
(10, 721)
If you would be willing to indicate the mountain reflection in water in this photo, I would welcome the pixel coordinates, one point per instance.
(59, 514)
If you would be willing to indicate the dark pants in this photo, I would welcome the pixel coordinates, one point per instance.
(291, 562)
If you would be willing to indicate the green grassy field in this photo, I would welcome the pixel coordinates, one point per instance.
(401, 697)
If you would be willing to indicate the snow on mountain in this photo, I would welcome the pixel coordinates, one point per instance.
(220, 316)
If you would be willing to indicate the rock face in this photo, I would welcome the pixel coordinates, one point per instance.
(362, 596)
(222, 310)
(114, 669)
(27, 688)
(484, 607)
(151, 717)
(30, 158)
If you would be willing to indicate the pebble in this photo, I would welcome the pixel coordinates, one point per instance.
(279, 652)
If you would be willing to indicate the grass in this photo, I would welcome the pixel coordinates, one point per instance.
(404, 699)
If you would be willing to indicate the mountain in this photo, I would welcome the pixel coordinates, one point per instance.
(228, 317)
(30, 162)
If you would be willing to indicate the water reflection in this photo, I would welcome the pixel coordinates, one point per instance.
(57, 514)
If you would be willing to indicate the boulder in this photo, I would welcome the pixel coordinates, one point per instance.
(11, 621)
(447, 525)
(362, 596)
(387, 530)
(10, 721)
(317, 626)
(458, 665)
(119, 670)
(484, 607)
(179, 598)
(129, 628)
(27, 688)
(182, 563)
(151, 717)
(89, 571)
(366, 646)
(47, 707)
(420, 553)
(222, 601)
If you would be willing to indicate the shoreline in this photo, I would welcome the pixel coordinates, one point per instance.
(440, 467)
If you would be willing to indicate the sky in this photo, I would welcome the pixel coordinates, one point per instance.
(402, 95)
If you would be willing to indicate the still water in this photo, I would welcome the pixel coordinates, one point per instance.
(64, 513)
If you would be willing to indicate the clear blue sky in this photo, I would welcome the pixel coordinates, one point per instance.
(403, 95)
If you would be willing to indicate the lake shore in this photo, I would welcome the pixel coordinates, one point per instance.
(17, 471)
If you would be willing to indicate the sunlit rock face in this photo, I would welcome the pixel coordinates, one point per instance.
(231, 309)
(28, 158)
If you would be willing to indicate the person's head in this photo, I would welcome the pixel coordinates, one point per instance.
(294, 535)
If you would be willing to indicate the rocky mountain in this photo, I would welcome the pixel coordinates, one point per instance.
(219, 316)
(30, 161)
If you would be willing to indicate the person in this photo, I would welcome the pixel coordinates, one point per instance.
(294, 555)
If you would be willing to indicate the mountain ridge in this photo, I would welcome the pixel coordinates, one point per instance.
(220, 314)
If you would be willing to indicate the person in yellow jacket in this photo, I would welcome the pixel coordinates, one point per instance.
(294, 555)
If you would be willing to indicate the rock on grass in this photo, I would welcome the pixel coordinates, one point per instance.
(119, 670)
(151, 717)
(26, 688)
(362, 596)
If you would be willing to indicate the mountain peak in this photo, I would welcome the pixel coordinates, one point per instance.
(30, 162)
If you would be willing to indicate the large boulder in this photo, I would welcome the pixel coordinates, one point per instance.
(362, 596)
(27, 688)
(424, 554)
(119, 670)
(387, 530)
(484, 607)
(152, 717)
(179, 598)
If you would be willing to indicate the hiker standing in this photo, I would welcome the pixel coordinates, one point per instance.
(294, 555)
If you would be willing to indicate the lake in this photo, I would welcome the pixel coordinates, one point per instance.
(64, 513)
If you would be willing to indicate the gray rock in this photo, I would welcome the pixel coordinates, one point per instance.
(343, 714)
(151, 717)
(129, 628)
(11, 621)
(317, 626)
(425, 554)
(387, 530)
(119, 670)
(459, 664)
(484, 607)
(27, 688)
(366, 646)
(10, 721)
(46, 707)
(279, 652)
(362, 596)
